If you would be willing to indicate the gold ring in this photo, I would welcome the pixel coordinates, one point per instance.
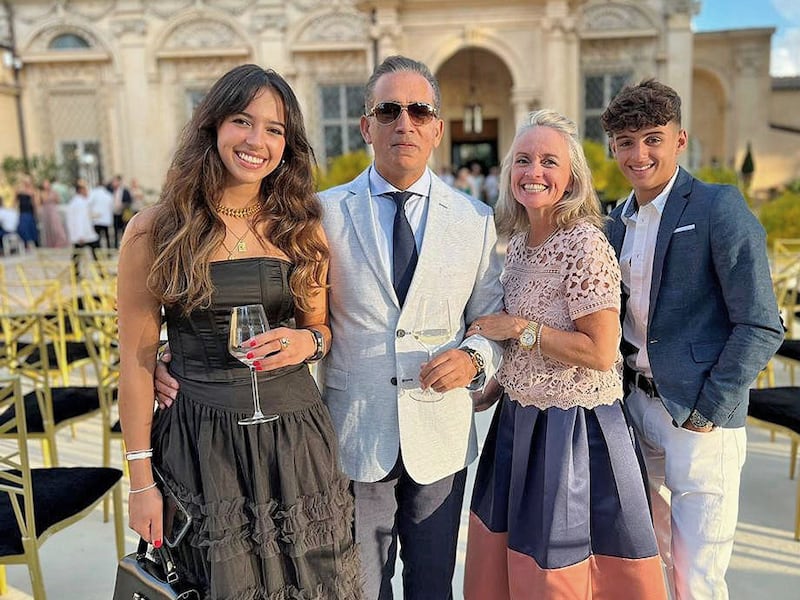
(284, 343)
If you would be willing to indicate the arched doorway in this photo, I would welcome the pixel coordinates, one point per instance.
(476, 91)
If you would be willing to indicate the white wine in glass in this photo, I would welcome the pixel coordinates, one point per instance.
(246, 322)
(432, 330)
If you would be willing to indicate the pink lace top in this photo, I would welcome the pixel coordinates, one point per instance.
(572, 274)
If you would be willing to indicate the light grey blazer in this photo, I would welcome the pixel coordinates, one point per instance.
(373, 353)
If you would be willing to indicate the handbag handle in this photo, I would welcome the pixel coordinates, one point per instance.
(164, 556)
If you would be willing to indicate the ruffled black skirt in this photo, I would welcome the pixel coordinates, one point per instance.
(271, 510)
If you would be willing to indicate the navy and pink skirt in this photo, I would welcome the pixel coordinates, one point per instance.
(559, 509)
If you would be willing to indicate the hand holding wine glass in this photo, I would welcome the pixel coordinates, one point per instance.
(247, 322)
(432, 330)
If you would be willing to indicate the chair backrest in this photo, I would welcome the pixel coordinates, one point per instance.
(102, 342)
(786, 284)
(15, 472)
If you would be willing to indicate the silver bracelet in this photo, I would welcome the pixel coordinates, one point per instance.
(139, 454)
(143, 489)
(539, 341)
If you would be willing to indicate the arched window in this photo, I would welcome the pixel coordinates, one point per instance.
(68, 41)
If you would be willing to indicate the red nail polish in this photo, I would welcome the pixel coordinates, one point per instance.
(252, 343)
(256, 364)
(156, 543)
(258, 368)
(250, 354)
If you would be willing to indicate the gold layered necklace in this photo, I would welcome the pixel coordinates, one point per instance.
(239, 247)
(237, 213)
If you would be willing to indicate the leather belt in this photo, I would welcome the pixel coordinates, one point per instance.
(647, 385)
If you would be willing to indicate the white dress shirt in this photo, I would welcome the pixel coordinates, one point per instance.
(636, 264)
(79, 221)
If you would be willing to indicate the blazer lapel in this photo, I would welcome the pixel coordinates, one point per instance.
(441, 216)
(673, 209)
(361, 215)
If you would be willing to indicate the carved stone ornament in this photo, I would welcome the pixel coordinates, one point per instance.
(96, 9)
(235, 7)
(136, 27)
(616, 53)
(167, 8)
(308, 4)
(335, 27)
(202, 33)
(614, 17)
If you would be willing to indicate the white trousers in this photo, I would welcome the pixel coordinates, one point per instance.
(694, 487)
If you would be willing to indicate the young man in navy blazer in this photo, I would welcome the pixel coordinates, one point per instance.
(699, 322)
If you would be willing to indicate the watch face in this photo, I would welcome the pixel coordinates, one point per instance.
(527, 338)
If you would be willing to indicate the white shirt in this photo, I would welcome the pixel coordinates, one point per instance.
(383, 209)
(79, 221)
(636, 264)
(102, 203)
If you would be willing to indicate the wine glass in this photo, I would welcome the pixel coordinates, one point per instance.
(248, 321)
(432, 330)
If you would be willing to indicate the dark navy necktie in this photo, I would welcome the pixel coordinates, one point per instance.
(404, 259)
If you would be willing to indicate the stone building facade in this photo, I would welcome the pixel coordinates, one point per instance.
(107, 85)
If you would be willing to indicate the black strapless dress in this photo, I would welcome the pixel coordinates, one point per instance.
(271, 510)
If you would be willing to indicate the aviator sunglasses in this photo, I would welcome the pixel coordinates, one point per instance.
(420, 113)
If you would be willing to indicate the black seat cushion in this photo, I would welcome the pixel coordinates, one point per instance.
(68, 402)
(58, 494)
(790, 349)
(778, 405)
(75, 351)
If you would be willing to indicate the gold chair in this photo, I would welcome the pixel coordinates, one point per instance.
(48, 408)
(37, 502)
(785, 253)
(102, 341)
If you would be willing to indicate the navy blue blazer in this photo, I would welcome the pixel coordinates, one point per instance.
(713, 320)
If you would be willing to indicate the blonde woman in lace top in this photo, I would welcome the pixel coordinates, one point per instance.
(559, 507)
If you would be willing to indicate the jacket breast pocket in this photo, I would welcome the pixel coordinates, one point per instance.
(707, 351)
(336, 379)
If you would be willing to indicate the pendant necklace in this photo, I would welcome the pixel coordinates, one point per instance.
(240, 247)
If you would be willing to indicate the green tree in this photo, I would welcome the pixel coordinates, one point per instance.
(342, 169)
(39, 167)
(781, 217)
(609, 181)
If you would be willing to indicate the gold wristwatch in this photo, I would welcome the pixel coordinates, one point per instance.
(527, 339)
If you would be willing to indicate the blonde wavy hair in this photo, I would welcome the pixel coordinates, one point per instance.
(579, 204)
(188, 230)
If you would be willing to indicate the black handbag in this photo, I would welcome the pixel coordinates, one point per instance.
(140, 577)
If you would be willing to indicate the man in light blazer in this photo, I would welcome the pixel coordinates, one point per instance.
(407, 458)
(699, 322)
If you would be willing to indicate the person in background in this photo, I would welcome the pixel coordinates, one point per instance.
(55, 235)
(238, 224)
(122, 207)
(559, 507)
(27, 203)
(476, 178)
(699, 322)
(446, 175)
(102, 203)
(139, 201)
(80, 228)
(491, 186)
(463, 182)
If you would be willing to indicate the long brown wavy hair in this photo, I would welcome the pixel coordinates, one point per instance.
(188, 230)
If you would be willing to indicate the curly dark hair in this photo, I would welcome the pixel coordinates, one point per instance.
(188, 228)
(647, 104)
